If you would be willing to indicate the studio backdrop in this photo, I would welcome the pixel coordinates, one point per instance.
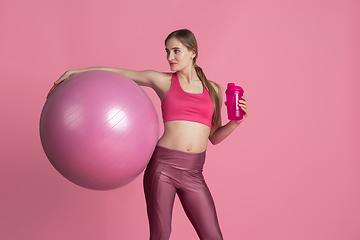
(291, 171)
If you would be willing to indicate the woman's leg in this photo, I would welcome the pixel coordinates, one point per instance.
(199, 206)
(159, 195)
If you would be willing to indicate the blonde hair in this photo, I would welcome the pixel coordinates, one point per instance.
(187, 38)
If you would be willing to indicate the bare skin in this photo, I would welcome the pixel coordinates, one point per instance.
(183, 136)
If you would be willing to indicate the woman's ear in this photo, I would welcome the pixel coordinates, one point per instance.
(193, 54)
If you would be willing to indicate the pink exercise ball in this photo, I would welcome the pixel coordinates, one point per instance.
(99, 129)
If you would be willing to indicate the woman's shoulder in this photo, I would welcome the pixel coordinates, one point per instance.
(154, 78)
(164, 77)
(161, 76)
(161, 82)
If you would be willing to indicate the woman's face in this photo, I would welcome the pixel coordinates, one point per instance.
(178, 56)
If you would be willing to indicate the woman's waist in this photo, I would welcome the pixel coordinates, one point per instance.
(178, 159)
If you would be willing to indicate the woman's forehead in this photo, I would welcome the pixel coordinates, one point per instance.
(173, 43)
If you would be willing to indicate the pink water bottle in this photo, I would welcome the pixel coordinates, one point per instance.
(233, 95)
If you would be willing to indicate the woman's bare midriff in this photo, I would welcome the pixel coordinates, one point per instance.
(185, 136)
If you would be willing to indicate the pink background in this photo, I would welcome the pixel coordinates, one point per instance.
(291, 171)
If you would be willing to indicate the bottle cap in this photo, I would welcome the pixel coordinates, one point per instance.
(232, 87)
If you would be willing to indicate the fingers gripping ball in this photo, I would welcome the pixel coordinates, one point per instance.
(99, 129)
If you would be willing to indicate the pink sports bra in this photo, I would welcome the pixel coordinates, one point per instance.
(180, 105)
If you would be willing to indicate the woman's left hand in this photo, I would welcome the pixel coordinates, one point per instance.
(243, 106)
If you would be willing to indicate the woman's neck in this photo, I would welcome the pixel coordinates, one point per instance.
(189, 75)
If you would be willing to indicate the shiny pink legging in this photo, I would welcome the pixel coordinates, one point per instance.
(172, 172)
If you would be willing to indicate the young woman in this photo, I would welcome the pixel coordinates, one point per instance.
(191, 107)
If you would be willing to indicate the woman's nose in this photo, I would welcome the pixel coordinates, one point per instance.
(170, 57)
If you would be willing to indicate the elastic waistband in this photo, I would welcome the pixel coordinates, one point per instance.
(178, 159)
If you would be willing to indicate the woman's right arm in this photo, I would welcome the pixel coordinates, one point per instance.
(147, 78)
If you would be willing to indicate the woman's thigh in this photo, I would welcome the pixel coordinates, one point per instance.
(199, 206)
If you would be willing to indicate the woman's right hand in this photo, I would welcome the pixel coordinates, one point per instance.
(63, 77)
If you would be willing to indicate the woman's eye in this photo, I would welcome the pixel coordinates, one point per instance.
(176, 51)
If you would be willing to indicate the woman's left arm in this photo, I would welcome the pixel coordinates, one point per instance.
(218, 132)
